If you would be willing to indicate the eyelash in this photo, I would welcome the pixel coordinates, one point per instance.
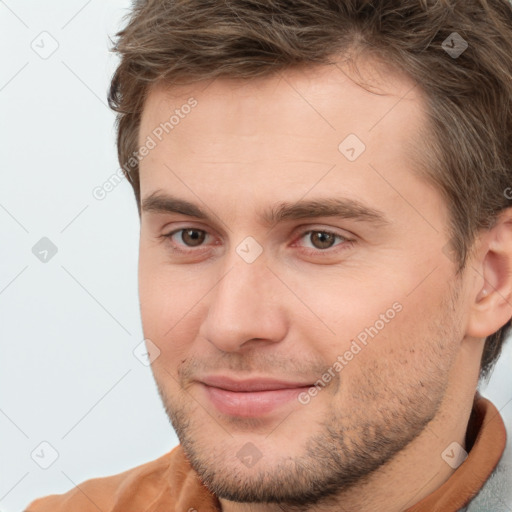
(346, 243)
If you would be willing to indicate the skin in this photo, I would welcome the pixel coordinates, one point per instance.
(375, 433)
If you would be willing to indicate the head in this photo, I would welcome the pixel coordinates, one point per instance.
(323, 193)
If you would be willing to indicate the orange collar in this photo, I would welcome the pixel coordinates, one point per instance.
(486, 435)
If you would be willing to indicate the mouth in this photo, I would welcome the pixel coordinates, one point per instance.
(252, 397)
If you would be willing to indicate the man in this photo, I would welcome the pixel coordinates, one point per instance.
(325, 261)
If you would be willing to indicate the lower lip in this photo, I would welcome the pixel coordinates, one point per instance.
(250, 404)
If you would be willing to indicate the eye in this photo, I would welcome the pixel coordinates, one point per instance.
(322, 240)
(189, 237)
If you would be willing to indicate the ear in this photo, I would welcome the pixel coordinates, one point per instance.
(491, 294)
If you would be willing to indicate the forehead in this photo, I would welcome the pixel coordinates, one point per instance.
(284, 130)
(357, 95)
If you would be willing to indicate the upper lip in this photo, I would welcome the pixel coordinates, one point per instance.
(254, 384)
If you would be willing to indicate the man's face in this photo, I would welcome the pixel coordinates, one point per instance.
(270, 292)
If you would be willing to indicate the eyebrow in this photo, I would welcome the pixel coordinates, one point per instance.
(160, 202)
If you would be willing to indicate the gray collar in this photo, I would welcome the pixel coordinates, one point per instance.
(496, 493)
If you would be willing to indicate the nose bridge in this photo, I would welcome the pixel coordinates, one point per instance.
(243, 306)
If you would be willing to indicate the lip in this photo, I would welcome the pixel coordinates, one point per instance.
(250, 398)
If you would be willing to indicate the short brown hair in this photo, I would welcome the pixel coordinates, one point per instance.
(467, 152)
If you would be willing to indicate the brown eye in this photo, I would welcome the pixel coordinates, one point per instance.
(192, 237)
(322, 239)
(322, 244)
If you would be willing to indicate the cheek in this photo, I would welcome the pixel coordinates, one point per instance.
(419, 344)
(398, 341)
(164, 290)
(342, 315)
(169, 307)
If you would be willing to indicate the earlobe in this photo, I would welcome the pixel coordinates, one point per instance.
(491, 306)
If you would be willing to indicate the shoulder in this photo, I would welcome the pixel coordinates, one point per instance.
(104, 493)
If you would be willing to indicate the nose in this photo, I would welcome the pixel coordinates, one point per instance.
(245, 308)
